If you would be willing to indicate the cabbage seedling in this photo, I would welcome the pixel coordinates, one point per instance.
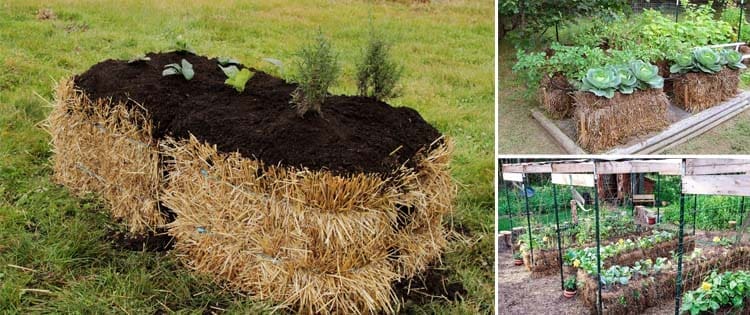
(238, 79)
(227, 61)
(184, 68)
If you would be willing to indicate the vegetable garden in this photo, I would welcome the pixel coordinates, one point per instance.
(645, 263)
(623, 82)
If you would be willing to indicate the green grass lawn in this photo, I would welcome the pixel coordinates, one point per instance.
(53, 257)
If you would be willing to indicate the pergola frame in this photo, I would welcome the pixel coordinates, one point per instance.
(699, 176)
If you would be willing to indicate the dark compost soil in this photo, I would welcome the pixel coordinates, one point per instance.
(148, 242)
(354, 134)
(432, 284)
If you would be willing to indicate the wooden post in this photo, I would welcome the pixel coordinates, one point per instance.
(573, 212)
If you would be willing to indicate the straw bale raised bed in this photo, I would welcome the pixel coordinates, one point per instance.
(554, 95)
(330, 237)
(643, 293)
(696, 91)
(604, 123)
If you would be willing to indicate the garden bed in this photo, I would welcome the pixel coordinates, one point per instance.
(321, 213)
(682, 126)
(546, 262)
(602, 123)
(645, 292)
(696, 91)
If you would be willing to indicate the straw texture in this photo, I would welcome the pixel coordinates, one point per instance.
(106, 149)
(316, 242)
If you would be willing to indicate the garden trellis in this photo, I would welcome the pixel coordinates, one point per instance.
(727, 177)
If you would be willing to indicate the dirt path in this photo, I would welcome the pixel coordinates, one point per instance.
(520, 294)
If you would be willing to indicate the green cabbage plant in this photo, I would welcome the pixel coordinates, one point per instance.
(601, 81)
(707, 60)
(238, 79)
(682, 63)
(628, 81)
(732, 59)
(647, 75)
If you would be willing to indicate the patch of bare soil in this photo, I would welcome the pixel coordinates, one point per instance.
(520, 294)
(148, 242)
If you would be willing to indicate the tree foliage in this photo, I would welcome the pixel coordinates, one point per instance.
(534, 16)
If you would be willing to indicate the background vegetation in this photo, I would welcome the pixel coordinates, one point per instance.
(53, 254)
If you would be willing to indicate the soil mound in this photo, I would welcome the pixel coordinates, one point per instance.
(354, 134)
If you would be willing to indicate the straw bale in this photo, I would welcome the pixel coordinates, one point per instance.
(555, 97)
(318, 242)
(107, 149)
(603, 123)
(696, 91)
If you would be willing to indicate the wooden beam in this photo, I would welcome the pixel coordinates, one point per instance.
(726, 185)
(664, 167)
(537, 168)
(699, 129)
(562, 139)
(573, 167)
(585, 180)
(716, 166)
(515, 168)
(688, 127)
(512, 177)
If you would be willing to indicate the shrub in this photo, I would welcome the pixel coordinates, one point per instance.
(377, 74)
(317, 70)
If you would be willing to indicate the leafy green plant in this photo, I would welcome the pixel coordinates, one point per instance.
(516, 255)
(184, 68)
(601, 82)
(238, 79)
(570, 283)
(718, 290)
(317, 70)
(227, 61)
(647, 75)
(732, 59)
(628, 81)
(377, 73)
(682, 63)
(707, 60)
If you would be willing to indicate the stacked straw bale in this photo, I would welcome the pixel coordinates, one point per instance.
(604, 123)
(696, 91)
(311, 241)
(555, 97)
(315, 241)
(107, 150)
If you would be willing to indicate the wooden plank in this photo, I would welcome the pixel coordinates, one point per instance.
(664, 167)
(516, 168)
(697, 130)
(676, 130)
(726, 185)
(585, 180)
(512, 177)
(536, 168)
(562, 139)
(573, 167)
(716, 166)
